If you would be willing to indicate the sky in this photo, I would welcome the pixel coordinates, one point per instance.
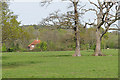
(32, 13)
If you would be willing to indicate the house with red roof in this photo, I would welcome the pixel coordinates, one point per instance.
(32, 45)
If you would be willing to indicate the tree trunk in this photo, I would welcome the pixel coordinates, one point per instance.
(77, 50)
(98, 36)
(98, 44)
(76, 29)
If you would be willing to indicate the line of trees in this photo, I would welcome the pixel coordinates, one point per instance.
(105, 18)
(62, 31)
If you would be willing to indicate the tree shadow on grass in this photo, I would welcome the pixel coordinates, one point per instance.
(56, 56)
(4, 57)
(17, 64)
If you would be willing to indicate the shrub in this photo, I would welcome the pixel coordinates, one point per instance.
(4, 47)
(10, 49)
(84, 46)
(17, 47)
(42, 46)
(13, 48)
(72, 47)
(93, 47)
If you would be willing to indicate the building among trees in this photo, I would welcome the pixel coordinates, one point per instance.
(32, 45)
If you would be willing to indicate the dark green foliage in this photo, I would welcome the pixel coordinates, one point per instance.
(93, 47)
(10, 50)
(13, 48)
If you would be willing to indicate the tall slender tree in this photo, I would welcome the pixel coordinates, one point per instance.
(10, 25)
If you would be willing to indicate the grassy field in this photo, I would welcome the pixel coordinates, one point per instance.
(60, 64)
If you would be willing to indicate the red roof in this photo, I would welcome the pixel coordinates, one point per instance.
(34, 42)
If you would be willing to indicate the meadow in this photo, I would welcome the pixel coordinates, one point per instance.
(60, 64)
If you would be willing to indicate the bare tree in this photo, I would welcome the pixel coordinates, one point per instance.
(68, 20)
(107, 15)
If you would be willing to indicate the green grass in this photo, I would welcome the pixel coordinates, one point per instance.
(60, 64)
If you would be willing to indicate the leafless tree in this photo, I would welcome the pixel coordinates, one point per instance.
(71, 20)
(58, 20)
(107, 15)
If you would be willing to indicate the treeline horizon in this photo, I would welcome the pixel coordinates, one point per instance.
(59, 39)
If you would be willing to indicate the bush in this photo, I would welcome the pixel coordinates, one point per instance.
(10, 50)
(72, 47)
(93, 47)
(42, 46)
(4, 47)
(13, 48)
(84, 46)
(17, 47)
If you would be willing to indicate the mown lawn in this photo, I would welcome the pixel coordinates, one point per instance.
(59, 64)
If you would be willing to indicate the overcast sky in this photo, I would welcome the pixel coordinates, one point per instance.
(32, 13)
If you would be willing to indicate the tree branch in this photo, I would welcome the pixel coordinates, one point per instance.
(104, 32)
(94, 4)
(114, 29)
(86, 10)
